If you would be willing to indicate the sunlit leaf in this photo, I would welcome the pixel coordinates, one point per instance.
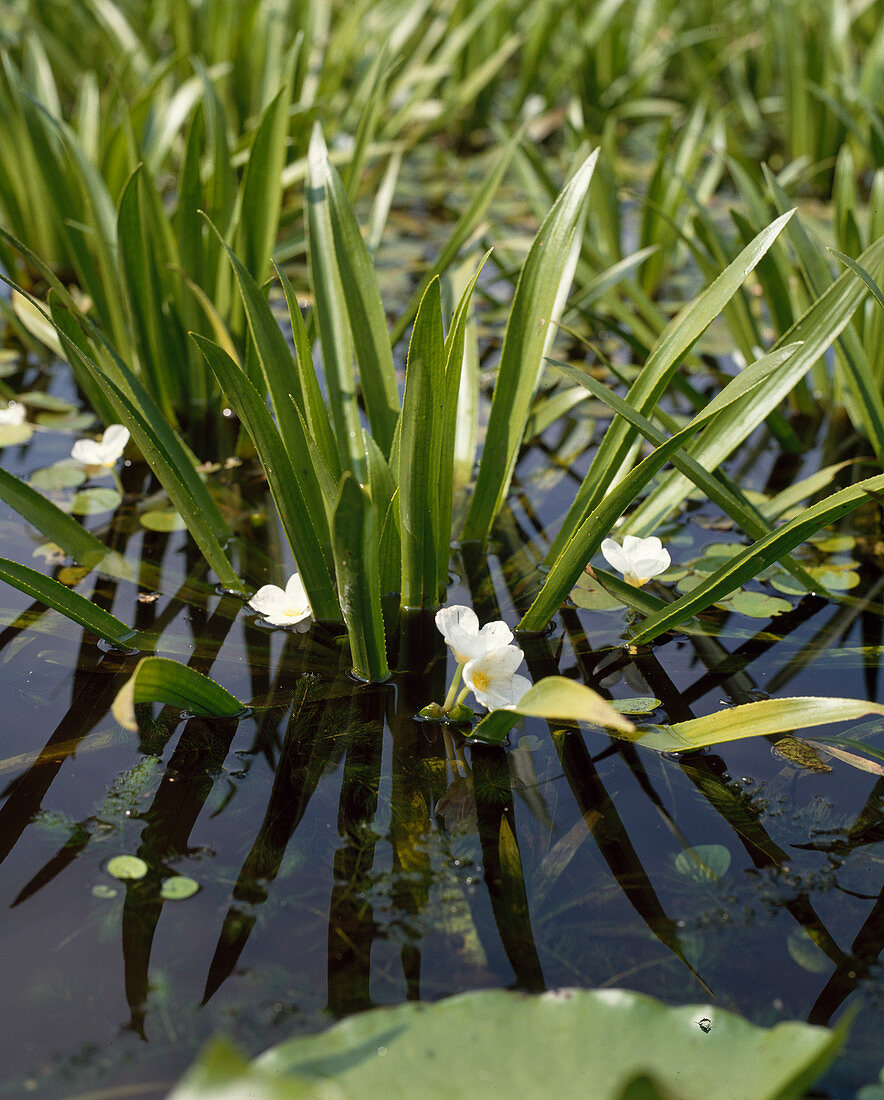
(160, 680)
(178, 887)
(91, 502)
(126, 867)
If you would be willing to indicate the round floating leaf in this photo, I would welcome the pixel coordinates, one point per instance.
(722, 550)
(641, 704)
(758, 605)
(54, 478)
(806, 953)
(530, 742)
(13, 434)
(785, 582)
(47, 401)
(178, 887)
(102, 890)
(166, 520)
(835, 544)
(689, 582)
(590, 595)
(126, 867)
(568, 1043)
(71, 575)
(69, 421)
(704, 863)
(89, 502)
(837, 578)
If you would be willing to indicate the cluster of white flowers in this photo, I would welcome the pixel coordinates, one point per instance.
(486, 658)
(287, 606)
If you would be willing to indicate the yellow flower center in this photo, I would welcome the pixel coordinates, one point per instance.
(293, 612)
(481, 680)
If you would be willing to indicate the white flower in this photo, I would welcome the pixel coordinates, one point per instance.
(491, 678)
(103, 452)
(287, 606)
(460, 629)
(637, 559)
(14, 413)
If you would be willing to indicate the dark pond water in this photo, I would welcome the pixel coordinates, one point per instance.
(348, 855)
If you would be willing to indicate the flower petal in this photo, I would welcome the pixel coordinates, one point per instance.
(270, 601)
(615, 557)
(114, 441)
(88, 452)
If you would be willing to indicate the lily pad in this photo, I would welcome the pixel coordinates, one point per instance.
(13, 434)
(568, 1043)
(704, 863)
(72, 421)
(54, 478)
(758, 605)
(837, 578)
(835, 544)
(166, 520)
(785, 582)
(102, 890)
(806, 953)
(178, 887)
(48, 401)
(126, 867)
(589, 594)
(89, 502)
(641, 704)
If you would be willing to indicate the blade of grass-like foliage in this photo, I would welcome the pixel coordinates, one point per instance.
(767, 716)
(751, 519)
(140, 240)
(454, 357)
(366, 128)
(838, 747)
(41, 513)
(365, 310)
(868, 404)
(557, 699)
(777, 374)
(331, 313)
(793, 495)
(857, 269)
(300, 525)
(756, 558)
(675, 341)
(70, 604)
(591, 533)
(420, 442)
(463, 230)
(160, 680)
(283, 382)
(315, 408)
(528, 334)
(165, 454)
(356, 565)
(261, 195)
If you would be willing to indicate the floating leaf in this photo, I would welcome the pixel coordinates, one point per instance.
(67, 421)
(641, 704)
(71, 575)
(126, 867)
(102, 890)
(704, 863)
(783, 582)
(758, 605)
(798, 752)
(90, 502)
(613, 1036)
(589, 594)
(835, 544)
(529, 742)
(838, 578)
(178, 887)
(13, 434)
(165, 521)
(55, 478)
(806, 953)
(48, 401)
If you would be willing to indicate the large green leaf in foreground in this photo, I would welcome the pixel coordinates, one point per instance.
(569, 1043)
(159, 680)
